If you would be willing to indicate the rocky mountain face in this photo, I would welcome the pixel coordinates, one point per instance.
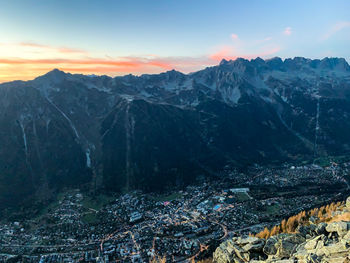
(316, 243)
(156, 131)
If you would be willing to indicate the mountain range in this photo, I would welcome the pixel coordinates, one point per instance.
(152, 132)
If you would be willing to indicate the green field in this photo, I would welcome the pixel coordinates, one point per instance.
(96, 202)
(273, 209)
(242, 196)
(90, 218)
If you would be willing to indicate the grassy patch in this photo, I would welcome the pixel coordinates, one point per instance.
(322, 161)
(89, 218)
(96, 202)
(273, 209)
(242, 196)
(50, 206)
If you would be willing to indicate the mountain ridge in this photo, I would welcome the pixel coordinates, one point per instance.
(64, 130)
(329, 62)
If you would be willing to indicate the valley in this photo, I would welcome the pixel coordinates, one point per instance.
(182, 225)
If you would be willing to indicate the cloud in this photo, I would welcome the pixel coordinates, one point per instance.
(336, 28)
(65, 50)
(24, 69)
(229, 53)
(224, 52)
(267, 39)
(262, 41)
(287, 31)
(234, 36)
(131, 63)
(27, 60)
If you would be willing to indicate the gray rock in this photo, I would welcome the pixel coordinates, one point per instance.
(288, 245)
(282, 245)
(243, 241)
(309, 230)
(311, 244)
(254, 247)
(341, 228)
(321, 228)
(270, 247)
(313, 258)
(313, 219)
(223, 254)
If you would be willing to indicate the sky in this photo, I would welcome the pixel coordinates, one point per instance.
(115, 37)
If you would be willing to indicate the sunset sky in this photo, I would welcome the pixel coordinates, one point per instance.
(115, 37)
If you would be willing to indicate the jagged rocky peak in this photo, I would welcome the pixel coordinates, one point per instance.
(50, 81)
(55, 74)
(172, 75)
(169, 75)
(238, 65)
(275, 63)
(290, 64)
(224, 62)
(334, 64)
(234, 62)
(258, 60)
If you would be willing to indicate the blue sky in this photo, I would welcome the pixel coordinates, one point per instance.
(152, 36)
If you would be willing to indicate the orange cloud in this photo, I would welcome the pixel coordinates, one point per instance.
(133, 63)
(19, 68)
(224, 52)
(287, 31)
(27, 60)
(57, 49)
(228, 53)
(234, 36)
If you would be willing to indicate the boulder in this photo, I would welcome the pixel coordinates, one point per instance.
(321, 228)
(313, 219)
(240, 250)
(336, 249)
(311, 244)
(301, 253)
(309, 230)
(281, 261)
(288, 244)
(255, 245)
(348, 202)
(248, 240)
(341, 228)
(240, 253)
(224, 253)
(270, 247)
(313, 258)
(347, 236)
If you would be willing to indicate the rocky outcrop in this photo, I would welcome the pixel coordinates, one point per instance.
(315, 243)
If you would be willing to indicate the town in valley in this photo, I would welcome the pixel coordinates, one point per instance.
(180, 225)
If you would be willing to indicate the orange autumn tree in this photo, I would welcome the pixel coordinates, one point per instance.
(290, 225)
